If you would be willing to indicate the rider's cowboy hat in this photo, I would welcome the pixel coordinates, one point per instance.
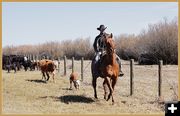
(101, 28)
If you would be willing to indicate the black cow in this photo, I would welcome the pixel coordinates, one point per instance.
(16, 62)
(27, 64)
(9, 63)
(147, 59)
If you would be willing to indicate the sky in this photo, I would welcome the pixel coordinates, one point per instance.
(35, 23)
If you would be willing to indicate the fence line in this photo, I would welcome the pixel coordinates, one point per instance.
(36, 57)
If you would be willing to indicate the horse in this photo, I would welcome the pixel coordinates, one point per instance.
(107, 68)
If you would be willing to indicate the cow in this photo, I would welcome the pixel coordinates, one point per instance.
(34, 65)
(147, 59)
(9, 63)
(56, 63)
(74, 79)
(46, 67)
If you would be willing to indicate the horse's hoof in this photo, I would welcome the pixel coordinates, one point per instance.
(95, 96)
(108, 97)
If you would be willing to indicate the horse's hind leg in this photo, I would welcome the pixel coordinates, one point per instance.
(94, 86)
(105, 89)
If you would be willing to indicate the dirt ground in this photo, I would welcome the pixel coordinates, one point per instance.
(25, 92)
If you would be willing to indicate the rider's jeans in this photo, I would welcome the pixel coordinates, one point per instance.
(97, 56)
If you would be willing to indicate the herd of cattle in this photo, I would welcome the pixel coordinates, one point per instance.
(18, 62)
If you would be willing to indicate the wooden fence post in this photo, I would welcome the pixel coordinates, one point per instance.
(37, 58)
(82, 60)
(160, 77)
(58, 65)
(72, 64)
(33, 57)
(30, 57)
(131, 76)
(64, 65)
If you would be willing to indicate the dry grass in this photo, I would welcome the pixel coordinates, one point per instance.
(26, 93)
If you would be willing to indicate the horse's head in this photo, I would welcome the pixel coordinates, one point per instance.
(110, 45)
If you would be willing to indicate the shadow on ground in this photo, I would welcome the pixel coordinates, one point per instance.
(75, 98)
(36, 81)
(66, 89)
(70, 99)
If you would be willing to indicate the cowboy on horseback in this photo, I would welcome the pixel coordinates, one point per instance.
(99, 46)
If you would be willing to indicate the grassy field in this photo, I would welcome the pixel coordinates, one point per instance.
(25, 92)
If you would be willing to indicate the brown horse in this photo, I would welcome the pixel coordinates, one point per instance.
(108, 69)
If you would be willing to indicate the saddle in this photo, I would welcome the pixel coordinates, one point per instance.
(103, 53)
(99, 62)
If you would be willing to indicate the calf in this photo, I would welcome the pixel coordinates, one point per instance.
(74, 78)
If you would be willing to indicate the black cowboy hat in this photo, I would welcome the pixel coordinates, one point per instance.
(101, 28)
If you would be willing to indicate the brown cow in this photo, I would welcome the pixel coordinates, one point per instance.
(47, 66)
(74, 78)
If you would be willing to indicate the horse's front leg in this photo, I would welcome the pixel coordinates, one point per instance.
(114, 81)
(94, 86)
(110, 88)
(105, 89)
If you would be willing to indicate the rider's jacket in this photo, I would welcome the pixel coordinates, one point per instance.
(99, 44)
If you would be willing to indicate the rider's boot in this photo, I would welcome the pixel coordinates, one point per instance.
(120, 67)
(120, 71)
